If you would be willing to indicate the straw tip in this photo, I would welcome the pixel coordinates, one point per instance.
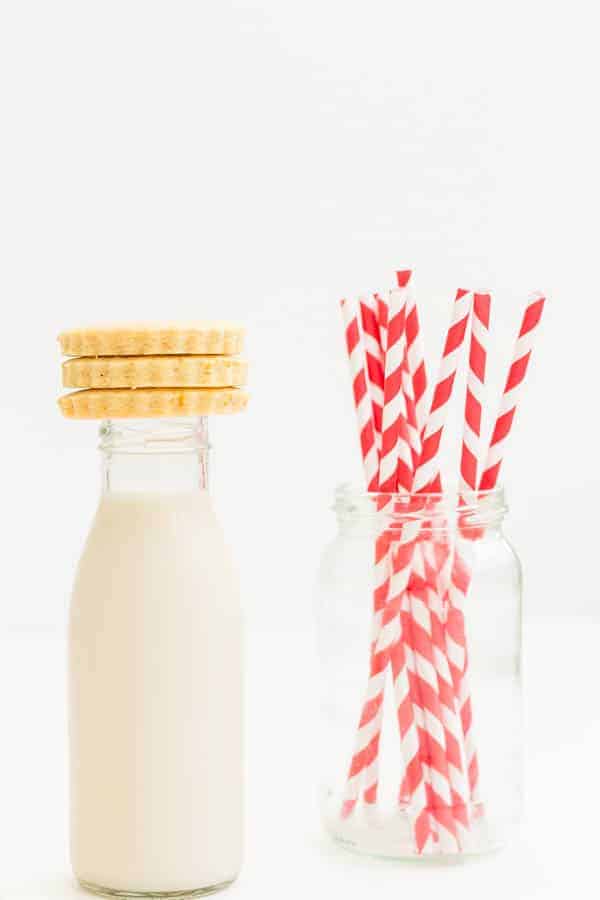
(403, 276)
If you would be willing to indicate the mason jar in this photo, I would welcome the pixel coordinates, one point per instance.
(419, 639)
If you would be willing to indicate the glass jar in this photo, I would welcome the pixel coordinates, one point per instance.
(155, 680)
(419, 638)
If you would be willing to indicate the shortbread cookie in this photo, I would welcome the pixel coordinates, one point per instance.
(154, 371)
(150, 403)
(141, 339)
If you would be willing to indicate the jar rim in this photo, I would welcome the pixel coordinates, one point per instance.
(438, 509)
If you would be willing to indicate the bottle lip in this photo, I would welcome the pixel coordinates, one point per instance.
(150, 436)
(438, 509)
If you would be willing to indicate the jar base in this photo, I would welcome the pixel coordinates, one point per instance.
(101, 891)
(371, 832)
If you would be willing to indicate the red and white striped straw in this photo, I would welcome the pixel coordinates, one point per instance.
(489, 479)
(394, 407)
(366, 404)
(416, 789)
(369, 312)
(512, 389)
(414, 344)
(366, 745)
(372, 712)
(427, 692)
(455, 577)
(449, 703)
(427, 476)
(454, 583)
(390, 647)
(362, 400)
(414, 432)
(469, 460)
(382, 318)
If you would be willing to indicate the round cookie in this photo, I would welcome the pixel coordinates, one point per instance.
(150, 403)
(154, 371)
(140, 339)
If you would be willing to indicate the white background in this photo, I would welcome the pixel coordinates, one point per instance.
(256, 161)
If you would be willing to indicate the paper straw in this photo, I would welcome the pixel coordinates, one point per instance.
(480, 323)
(416, 359)
(372, 713)
(427, 476)
(369, 311)
(382, 318)
(390, 647)
(512, 390)
(369, 729)
(449, 702)
(362, 401)
(413, 430)
(394, 407)
(417, 775)
(454, 577)
(369, 726)
(425, 692)
(414, 440)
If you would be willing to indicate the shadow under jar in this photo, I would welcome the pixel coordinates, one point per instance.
(419, 637)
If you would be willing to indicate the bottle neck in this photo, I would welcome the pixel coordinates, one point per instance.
(154, 455)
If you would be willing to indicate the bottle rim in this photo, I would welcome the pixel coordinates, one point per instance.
(154, 436)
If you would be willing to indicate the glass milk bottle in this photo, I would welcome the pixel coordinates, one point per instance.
(155, 674)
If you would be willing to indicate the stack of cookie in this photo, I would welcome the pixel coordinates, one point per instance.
(151, 371)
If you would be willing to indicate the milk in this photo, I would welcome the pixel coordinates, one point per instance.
(155, 698)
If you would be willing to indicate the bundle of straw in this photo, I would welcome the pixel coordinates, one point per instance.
(421, 583)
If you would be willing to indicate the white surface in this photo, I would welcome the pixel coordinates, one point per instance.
(286, 853)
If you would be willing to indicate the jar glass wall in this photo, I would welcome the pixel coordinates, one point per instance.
(420, 646)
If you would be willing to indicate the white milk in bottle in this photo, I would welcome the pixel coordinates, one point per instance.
(155, 675)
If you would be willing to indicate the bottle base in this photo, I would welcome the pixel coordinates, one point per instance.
(101, 891)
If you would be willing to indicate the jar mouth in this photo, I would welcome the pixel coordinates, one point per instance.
(439, 510)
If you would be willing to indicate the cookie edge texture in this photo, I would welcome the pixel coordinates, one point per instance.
(150, 403)
(119, 372)
(216, 339)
